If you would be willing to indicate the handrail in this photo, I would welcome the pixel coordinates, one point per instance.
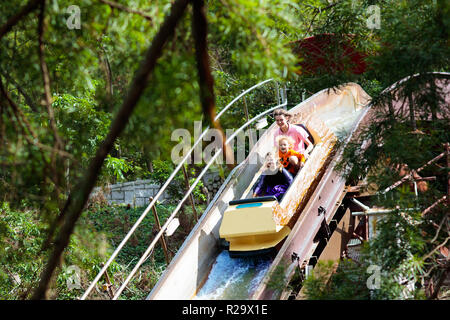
(239, 96)
(159, 193)
(172, 216)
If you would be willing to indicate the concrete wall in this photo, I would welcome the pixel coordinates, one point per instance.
(137, 193)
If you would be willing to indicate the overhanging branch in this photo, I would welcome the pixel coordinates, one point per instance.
(29, 7)
(80, 194)
(206, 81)
(126, 9)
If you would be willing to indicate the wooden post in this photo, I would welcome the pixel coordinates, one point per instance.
(191, 198)
(246, 117)
(447, 150)
(367, 227)
(162, 239)
(245, 109)
(109, 287)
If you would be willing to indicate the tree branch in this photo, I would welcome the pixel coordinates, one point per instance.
(439, 229)
(17, 113)
(58, 143)
(80, 193)
(410, 176)
(46, 78)
(439, 284)
(435, 249)
(27, 98)
(428, 210)
(29, 7)
(24, 126)
(318, 10)
(124, 8)
(206, 81)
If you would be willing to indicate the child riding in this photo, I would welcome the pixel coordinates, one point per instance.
(288, 157)
(274, 181)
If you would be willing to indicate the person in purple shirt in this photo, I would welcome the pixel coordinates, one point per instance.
(274, 181)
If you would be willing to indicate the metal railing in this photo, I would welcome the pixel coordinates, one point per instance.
(163, 188)
(180, 204)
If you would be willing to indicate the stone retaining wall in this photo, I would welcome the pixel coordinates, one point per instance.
(137, 193)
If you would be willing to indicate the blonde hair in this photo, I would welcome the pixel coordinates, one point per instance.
(287, 138)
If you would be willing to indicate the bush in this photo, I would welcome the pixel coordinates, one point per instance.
(22, 258)
(347, 283)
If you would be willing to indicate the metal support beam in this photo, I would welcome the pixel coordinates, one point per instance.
(362, 205)
(372, 212)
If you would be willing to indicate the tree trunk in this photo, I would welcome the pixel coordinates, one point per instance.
(79, 196)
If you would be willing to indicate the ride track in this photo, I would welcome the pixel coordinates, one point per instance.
(201, 269)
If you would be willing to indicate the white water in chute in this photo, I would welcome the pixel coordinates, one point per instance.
(233, 278)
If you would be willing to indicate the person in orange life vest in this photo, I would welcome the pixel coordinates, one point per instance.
(285, 128)
(289, 158)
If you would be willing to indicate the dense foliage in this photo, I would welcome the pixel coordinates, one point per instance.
(61, 88)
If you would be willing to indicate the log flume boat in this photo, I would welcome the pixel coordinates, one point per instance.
(250, 226)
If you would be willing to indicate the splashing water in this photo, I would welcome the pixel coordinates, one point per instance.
(233, 279)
